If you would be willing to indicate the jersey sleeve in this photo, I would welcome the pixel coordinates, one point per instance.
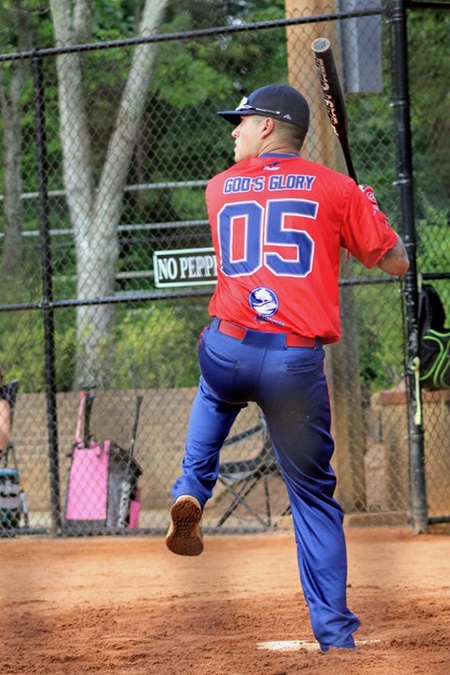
(366, 232)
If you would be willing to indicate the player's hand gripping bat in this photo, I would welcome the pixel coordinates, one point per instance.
(333, 97)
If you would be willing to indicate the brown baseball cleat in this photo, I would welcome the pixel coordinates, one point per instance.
(185, 535)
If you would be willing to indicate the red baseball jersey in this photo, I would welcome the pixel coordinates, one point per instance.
(278, 224)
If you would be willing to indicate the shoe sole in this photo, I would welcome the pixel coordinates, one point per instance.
(183, 539)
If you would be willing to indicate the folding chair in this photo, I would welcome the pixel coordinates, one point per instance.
(12, 498)
(241, 477)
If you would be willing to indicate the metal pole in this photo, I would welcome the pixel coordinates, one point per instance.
(47, 294)
(401, 106)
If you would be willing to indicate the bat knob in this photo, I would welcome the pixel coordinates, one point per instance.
(320, 45)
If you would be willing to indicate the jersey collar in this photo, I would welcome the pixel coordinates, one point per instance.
(278, 154)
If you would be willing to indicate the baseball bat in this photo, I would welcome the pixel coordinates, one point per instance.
(90, 396)
(125, 493)
(333, 97)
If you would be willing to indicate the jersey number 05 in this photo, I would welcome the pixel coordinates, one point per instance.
(266, 233)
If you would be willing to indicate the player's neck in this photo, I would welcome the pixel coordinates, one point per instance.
(278, 148)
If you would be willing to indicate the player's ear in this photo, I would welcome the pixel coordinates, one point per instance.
(267, 126)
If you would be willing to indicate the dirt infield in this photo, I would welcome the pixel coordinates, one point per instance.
(129, 607)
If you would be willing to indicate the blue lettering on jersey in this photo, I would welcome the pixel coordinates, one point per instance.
(292, 181)
(239, 184)
(259, 183)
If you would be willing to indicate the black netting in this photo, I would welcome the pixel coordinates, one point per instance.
(106, 253)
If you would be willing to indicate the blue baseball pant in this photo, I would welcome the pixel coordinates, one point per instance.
(289, 385)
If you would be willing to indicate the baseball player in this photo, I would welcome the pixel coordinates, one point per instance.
(278, 224)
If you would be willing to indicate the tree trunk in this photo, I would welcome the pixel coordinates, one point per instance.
(95, 213)
(12, 252)
(10, 93)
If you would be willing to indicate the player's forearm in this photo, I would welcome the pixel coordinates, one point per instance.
(395, 261)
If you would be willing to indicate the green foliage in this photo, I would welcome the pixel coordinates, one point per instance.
(380, 343)
(184, 140)
(430, 120)
(203, 13)
(184, 80)
(24, 25)
(433, 236)
(65, 348)
(152, 347)
(113, 17)
(22, 347)
(22, 350)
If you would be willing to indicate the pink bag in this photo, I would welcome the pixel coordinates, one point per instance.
(87, 495)
(102, 491)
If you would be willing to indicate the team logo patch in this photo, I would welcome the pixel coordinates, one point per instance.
(263, 301)
(273, 166)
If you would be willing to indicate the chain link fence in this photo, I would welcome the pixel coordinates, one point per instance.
(430, 125)
(108, 268)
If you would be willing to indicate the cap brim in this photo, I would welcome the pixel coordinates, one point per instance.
(234, 116)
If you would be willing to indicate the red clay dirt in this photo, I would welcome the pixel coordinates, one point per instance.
(128, 606)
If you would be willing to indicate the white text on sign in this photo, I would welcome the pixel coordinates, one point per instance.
(185, 267)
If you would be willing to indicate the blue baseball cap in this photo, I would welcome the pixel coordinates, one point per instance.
(279, 101)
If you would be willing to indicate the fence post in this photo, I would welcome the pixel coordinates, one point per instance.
(47, 293)
(400, 104)
(343, 357)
